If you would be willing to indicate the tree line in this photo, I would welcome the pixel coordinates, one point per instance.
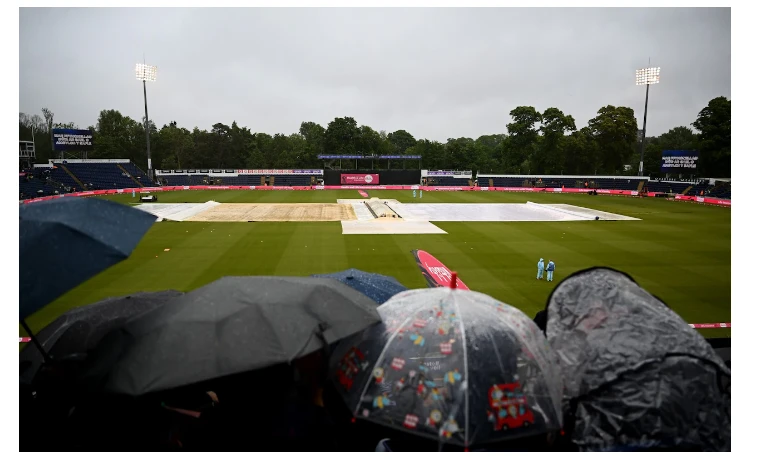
(534, 142)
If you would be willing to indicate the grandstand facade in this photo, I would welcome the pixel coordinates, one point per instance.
(66, 176)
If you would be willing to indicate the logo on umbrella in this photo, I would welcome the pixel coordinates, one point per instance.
(452, 377)
(417, 339)
(449, 428)
(435, 417)
(411, 421)
(381, 401)
(420, 323)
(379, 375)
(398, 363)
(446, 348)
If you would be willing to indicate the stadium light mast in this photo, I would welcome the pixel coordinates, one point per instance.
(648, 76)
(146, 73)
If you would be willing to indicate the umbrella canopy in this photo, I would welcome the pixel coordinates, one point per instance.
(64, 242)
(452, 365)
(377, 287)
(77, 331)
(233, 325)
(636, 374)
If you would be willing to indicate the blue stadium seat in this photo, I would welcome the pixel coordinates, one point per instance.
(665, 186)
(242, 179)
(137, 173)
(449, 181)
(186, 179)
(292, 180)
(29, 186)
(102, 176)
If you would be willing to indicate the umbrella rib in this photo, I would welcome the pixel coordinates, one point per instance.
(379, 359)
(497, 355)
(95, 239)
(466, 373)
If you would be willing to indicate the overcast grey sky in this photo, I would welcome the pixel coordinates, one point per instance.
(437, 73)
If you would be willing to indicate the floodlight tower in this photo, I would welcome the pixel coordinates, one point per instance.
(648, 76)
(146, 73)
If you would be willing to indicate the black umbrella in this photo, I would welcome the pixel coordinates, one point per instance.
(64, 242)
(375, 286)
(636, 375)
(77, 331)
(231, 326)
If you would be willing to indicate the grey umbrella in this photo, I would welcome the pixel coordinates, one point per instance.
(636, 375)
(78, 330)
(233, 325)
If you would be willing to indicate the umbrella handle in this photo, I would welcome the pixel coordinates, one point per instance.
(454, 275)
(45, 357)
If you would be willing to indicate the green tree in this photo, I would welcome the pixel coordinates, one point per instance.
(32, 127)
(555, 126)
(180, 144)
(369, 141)
(713, 124)
(615, 130)
(581, 153)
(460, 153)
(523, 135)
(314, 134)
(432, 153)
(49, 121)
(117, 136)
(401, 141)
(491, 153)
(169, 162)
(341, 136)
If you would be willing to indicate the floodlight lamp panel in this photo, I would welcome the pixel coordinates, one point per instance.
(647, 76)
(145, 72)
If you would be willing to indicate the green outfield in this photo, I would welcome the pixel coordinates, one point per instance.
(678, 251)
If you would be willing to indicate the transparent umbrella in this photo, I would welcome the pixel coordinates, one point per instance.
(453, 365)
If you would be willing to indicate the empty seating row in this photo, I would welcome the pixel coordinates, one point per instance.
(32, 187)
(100, 176)
(596, 182)
(449, 181)
(667, 187)
(184, 179)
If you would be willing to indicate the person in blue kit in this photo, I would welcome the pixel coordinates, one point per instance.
(549, 270)
(541, 266)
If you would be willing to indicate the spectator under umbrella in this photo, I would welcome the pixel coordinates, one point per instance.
(451, 369)
(636, 375)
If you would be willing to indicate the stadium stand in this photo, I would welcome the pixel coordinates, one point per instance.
(185, 179)
(32, 186)
(448, 181)
(242, 179)
(721, 190)
(656, 186)
(292, 180)
(60, 175)
(698, 188)
(556, 182)
(137, 173)
(101, 176)
(72, 176)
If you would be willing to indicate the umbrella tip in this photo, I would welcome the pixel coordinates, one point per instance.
(454, 275)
